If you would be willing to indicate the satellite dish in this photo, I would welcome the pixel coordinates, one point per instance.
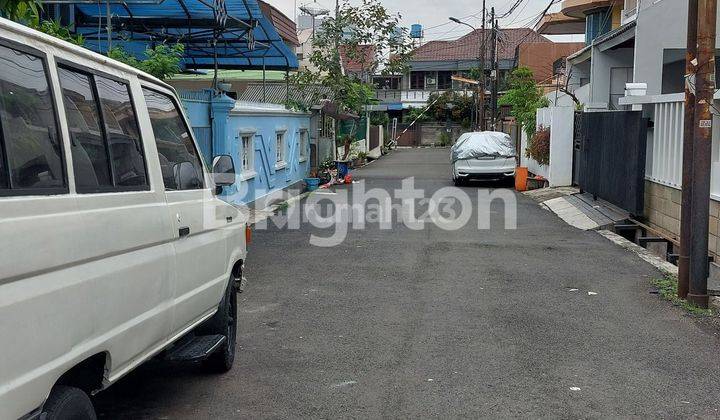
(315, 9)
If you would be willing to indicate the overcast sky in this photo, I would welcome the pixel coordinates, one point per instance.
(432, 13)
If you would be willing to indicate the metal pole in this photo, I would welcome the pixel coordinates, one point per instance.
(108, 27)
(702, 147)
(494, 74)
(481, 59)
(263, 82)
(686, 211)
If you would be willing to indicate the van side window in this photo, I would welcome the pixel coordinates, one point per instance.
(128, 160)
(91, 157)
(179, 160)
(106, 147)
(30, 147)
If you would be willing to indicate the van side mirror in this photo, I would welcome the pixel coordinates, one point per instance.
(186, 176)
(223, 170)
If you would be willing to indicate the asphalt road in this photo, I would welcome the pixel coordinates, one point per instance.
(435, 323)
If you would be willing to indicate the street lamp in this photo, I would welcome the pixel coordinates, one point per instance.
(481, 66)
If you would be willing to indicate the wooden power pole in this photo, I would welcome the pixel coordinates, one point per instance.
(702, 148)
(494, 70)
(481, 62)
(688, 138)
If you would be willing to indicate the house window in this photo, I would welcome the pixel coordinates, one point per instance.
(303, 145)
(280, 148)
(444, 80)
(417, 80)
(247, 153)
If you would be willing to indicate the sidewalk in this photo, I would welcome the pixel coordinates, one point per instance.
(577, 209)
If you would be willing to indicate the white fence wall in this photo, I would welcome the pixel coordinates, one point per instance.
(664, 144)
(560, 120)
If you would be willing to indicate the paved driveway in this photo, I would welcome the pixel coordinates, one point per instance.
(436, 323)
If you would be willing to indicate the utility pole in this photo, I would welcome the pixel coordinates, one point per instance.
(702, 147)
(686, 206)
(493, 71)
(481, 85)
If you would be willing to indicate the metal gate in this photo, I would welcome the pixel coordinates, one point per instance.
(577, 146)
(612, 157)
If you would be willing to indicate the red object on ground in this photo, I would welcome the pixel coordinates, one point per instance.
(348, 179)
(521, 176)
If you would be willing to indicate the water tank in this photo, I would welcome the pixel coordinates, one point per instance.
(416, 31)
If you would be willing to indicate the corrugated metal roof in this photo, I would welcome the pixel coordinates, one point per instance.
(276, 93)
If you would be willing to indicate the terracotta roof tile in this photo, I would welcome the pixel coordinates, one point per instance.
(364, 61)
(468, 46)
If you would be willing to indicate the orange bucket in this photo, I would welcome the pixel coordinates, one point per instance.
(521, 176)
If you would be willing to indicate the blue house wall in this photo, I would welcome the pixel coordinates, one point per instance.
(220, 123)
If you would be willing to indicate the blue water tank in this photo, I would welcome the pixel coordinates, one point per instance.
(416, 31)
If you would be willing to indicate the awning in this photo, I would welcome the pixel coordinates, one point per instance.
(233, 32)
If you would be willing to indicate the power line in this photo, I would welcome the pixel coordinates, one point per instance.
(512, 9)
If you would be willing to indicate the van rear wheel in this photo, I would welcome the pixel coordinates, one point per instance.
(68, 403)
(223, 322)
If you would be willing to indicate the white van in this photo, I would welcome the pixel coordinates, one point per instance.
(114, 246)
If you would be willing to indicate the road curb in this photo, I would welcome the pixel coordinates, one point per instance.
(643, 253)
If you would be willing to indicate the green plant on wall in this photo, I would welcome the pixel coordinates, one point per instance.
(539, 147)
(524, 97)
(444, 139)
(162, 61)
(22, 11)
(54, 28)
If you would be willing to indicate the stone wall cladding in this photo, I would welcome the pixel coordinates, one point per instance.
(662, 210)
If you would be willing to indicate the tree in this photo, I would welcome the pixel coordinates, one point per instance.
(162, 61)
(23, 11)
(350, 33)
(524, 97)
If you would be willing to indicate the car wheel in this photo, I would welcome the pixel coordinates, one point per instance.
(223, 322)
(459, 182)
(68, 403)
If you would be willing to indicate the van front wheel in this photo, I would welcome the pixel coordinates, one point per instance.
(224, 322)
(68, 403)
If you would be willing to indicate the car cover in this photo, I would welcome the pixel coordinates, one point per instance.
(482, 144)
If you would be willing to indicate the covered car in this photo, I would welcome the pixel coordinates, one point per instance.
(488, 155)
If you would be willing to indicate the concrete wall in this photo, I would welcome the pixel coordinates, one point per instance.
(264, 121)
(661, 25)
(232, 120)
(540, 56)
(430, 133)
(560, 120)
(602, 62)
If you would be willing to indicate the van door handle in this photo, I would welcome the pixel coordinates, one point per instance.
(184, 231)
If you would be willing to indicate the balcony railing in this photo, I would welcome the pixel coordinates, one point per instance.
(411, 96)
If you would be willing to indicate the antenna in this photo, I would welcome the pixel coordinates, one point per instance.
(314, 9)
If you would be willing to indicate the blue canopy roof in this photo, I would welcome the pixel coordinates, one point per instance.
(235, 32)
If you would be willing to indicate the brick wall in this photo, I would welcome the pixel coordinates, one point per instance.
(662, 210)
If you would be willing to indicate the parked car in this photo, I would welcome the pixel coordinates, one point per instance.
(115, 247)
(486, 155)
